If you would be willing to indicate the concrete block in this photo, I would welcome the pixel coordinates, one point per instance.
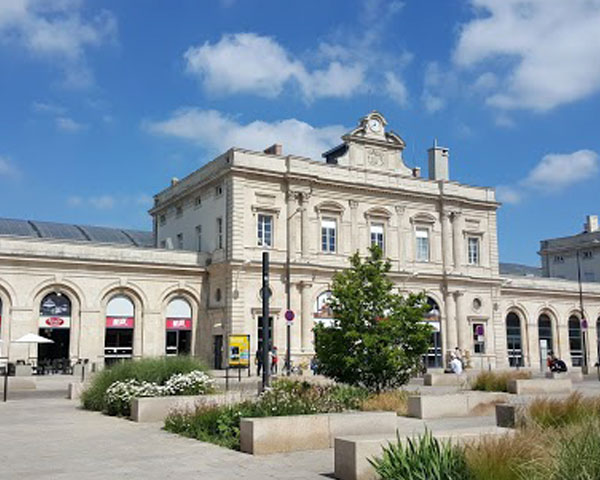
(261, 436)
(574, 375)
(484, 403)
(536, 386)
(156, 409)
(510, 416)
(23, 370)
(358, 423)
(352, 454)
(18, 384)
(445, 380)
(75, 389)
(438, 406)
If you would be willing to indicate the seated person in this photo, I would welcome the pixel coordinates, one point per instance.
(456, 365)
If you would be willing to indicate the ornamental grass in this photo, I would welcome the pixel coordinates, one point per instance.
(497, 381)
(392, 401)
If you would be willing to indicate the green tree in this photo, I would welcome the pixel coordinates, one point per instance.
(378, 337)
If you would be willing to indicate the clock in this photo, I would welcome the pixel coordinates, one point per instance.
(375, 125)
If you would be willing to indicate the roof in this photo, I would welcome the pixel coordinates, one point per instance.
(81, 233)
(581, 240)
(518, 269)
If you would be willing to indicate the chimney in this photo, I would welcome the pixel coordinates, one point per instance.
(416, 172)
(174, 181)
(275, 149)
(438, 162)
(591, 224)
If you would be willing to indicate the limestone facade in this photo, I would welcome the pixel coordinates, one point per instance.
(211, 228)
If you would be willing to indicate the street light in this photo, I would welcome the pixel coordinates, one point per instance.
(584, 323)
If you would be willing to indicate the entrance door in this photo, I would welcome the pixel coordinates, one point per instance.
(51, 354)
(118, 344)
(513, 340)
(218, 352)
(179, 342)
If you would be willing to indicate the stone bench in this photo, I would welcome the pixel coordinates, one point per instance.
(454, 405)
(510, 416)
(156, 409)
(260, 436)
(18, 384)
(536, 386)
(445, 380)
(574, 375)
(352, 453)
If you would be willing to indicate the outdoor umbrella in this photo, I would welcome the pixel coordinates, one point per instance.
(32, 338)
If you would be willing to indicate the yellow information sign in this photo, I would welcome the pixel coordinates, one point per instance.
(239, 351)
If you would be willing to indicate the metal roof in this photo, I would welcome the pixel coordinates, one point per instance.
(82, 233)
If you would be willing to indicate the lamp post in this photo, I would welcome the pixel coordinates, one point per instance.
(584, 323)
(266, 340)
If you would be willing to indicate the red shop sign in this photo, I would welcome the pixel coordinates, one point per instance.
(179, 323)
(119, 322)
(55, 322)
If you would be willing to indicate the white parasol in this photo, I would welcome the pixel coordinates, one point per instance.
(32, 338)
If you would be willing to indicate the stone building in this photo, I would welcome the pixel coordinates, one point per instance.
(209, 232)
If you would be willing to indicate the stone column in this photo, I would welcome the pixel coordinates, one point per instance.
(401, 240)
(457, 240)
(296, 329)
(292, 222)
(305, 226)
(450, 333)
(461, 322)
(354, 235)
(91, 340)
(447, 252)
(307, 320)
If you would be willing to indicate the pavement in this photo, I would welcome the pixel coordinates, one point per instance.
(45, 436)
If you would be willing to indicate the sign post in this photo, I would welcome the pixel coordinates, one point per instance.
(289, 317)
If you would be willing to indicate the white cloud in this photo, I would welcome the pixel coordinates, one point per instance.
(251, 63)
(555, 173)
(67, 124)
(49, 108)
(7, 168)
(218, 132)
(56, 30)
(438, 85)
(547, 52)
(396, 89)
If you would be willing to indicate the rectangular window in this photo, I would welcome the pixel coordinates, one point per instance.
(479, 338)
(178, 211)
(198, 201)
(199, 238)
(219, 233)
(180, 241)
(163, 244)
(377, 235)
(559, 259)
(265, 230)
(588, 255)
(328, 227)
(219, 190)
(422, 235)
(473, 250)
(162, 220)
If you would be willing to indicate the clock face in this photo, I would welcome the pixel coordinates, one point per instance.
(375, 125)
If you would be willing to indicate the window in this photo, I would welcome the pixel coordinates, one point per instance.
(559, 259)
(198, 201)
(473, 250)
(218, 295)
(163, 244)
(328, 227)
(377, 234)
(219, 233)
(479, 338)
(265, 230)
(162, 220)
(588, 255)
(422, 235)
(199, 238)
(180, 241)
(219, 190)
(178, 211)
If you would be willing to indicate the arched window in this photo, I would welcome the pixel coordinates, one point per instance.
(120, 322)
(545, 336)
(54, 324)
(433, 358)
(575, 341)
(179, 327)
(323, 313)
(513, 340)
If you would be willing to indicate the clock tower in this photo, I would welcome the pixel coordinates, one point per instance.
(370, 147)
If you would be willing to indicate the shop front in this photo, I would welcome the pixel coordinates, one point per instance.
(179, 328)
(120, 323)
(54, 323)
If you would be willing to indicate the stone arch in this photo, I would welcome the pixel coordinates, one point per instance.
(378, 212)
(193, 300)
(329, 206)
(515, 321)
(137, 336)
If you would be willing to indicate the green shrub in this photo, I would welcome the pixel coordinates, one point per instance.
(497, 381)
(424, 458)
(155, 370)
(221, 424)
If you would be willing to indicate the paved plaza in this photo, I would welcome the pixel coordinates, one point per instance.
(45, 436)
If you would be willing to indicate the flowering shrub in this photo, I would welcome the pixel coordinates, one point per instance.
(119, 395)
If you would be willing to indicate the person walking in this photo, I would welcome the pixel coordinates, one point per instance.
(258, 361)
(274, 360)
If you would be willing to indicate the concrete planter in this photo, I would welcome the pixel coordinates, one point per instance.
(574, 375)
(261, 436)
(156, 409)
(536, 386)
(18, 384)
(453, 405)
(445, 380)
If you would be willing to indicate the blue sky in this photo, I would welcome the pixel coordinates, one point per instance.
(102, 102)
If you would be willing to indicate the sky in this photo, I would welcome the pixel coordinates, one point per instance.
(103, 102)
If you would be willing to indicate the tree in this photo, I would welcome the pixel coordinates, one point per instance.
(378, 337)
